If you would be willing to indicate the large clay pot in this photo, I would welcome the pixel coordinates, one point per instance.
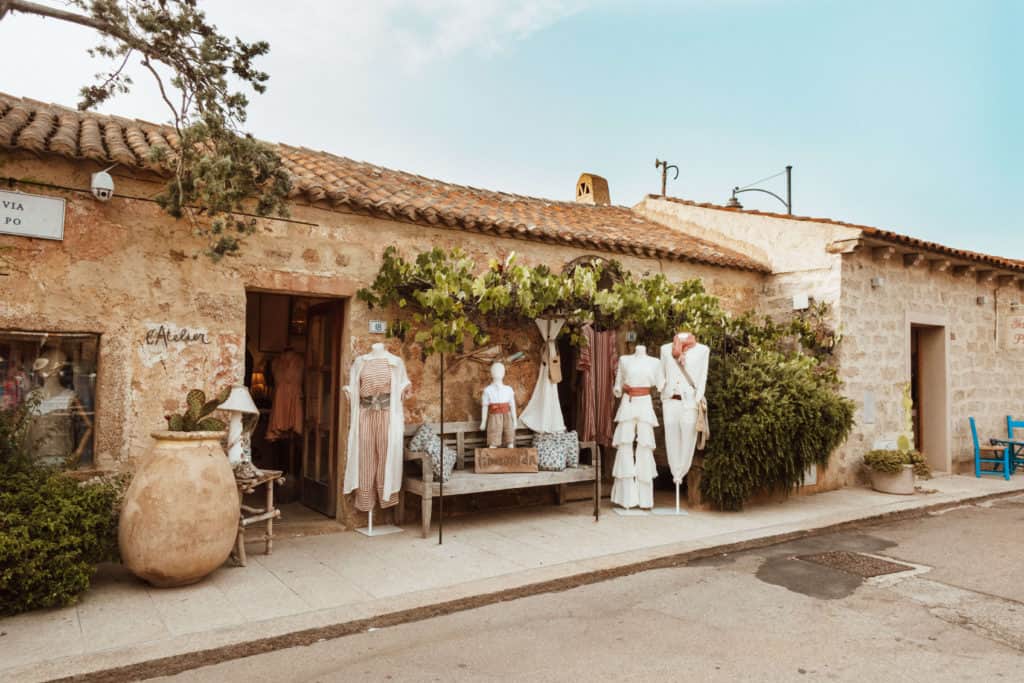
(901, 483)
(180, 513)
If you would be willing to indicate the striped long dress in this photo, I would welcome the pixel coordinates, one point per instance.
(373, 437)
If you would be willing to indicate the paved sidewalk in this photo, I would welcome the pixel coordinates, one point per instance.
(321, 580)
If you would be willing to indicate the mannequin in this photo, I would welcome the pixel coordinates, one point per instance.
(683, 401)
(635, 469)
(498, 413)
(51, 431)
(377, 385)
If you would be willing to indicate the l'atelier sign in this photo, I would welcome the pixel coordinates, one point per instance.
(31, 215)
(165, 335)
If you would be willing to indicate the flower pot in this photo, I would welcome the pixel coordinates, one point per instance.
(901, 483)
(180, 513)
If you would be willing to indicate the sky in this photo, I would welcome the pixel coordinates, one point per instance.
(901, 114)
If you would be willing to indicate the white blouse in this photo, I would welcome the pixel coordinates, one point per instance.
(499, 393)
(638, 371)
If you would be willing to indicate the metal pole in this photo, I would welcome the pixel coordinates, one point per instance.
(597, 447)
(440, 501)
(789, 190)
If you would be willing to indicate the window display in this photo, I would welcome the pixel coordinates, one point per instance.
(55, 375)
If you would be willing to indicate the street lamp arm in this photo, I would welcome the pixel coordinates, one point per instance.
(737, 191)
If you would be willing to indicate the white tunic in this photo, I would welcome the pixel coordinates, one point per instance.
(544, 411)
(680, 415)
(635, 470)
(499, 393)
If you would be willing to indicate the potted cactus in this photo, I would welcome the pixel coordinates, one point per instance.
(895, 471)
(180, 514)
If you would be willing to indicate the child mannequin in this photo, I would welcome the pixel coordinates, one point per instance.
(498, 416)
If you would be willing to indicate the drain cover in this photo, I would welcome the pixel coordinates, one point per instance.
(855, 563)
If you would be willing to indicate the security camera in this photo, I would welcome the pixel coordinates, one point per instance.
(102, 186)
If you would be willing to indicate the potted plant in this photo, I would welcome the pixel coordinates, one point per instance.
(180, 514)
(894, 471)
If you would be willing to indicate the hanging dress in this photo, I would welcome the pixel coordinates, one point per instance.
(544, 411)
(635, 469)
(286, 411)
(597, 364)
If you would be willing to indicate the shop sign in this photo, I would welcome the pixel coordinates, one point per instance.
(378, 327)
(30, 215)
(505, 460)
(1014, 338)
(166, 335)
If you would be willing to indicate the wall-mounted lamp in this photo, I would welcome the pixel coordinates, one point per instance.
(877, 282)
(981, 300)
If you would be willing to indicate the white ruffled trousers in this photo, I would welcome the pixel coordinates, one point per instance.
(635, 469)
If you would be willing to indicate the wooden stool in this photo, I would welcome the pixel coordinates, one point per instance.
(248, 483)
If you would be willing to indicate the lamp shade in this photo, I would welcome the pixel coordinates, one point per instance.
(240, 401)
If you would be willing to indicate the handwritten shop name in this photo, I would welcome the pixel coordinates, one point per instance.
(165, 335)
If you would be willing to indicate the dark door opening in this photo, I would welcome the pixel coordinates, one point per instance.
(292, 370)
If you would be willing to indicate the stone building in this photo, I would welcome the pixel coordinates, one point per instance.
(121, 293)
(127, 296)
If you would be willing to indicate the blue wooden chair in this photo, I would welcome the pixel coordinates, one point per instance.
(1016, 460)
(1002, 460)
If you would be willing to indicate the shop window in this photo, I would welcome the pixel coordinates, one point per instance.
(54, 377)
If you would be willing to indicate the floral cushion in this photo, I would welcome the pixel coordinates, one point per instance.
(426, 441)
(571, 444)
(550, 452)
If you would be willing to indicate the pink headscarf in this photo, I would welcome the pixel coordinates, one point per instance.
(681, 343)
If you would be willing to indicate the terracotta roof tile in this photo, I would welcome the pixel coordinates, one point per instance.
(868, 231)
(365, 188)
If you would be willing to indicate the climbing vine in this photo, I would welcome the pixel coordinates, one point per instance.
(774, 402)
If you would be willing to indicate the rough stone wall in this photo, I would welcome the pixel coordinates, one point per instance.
(986, 379)
(124, 268)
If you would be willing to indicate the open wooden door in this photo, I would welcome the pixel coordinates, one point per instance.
(320, 438)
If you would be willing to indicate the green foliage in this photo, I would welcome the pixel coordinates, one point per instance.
(53, 529)
(774, 401)
(222, 178)
(195, 418)
(892, 461)
(771, 415)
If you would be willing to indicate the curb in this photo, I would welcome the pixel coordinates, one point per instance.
(175, 664)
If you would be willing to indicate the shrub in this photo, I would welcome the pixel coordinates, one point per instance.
(773, 415)
(53, 529)
(890, 461)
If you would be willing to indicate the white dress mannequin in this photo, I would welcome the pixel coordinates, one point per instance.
(679, 401)
(498, 412)
(635, 469)
(543, 412)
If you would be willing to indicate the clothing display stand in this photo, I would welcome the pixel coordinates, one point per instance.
(382, 530)
(671, 512)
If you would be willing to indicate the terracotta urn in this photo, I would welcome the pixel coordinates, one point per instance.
(180, 513)
(900, 483)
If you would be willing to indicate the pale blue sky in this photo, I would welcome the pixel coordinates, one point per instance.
(902, 115)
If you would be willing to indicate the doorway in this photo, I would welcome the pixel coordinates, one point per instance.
(292, 369)
(929, 393)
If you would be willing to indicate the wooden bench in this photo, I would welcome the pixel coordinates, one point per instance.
(464, 438)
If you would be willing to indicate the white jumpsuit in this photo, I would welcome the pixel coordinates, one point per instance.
(635, 469)
(680, 414)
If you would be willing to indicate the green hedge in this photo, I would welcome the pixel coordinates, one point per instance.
(771, 415)
(53, 529)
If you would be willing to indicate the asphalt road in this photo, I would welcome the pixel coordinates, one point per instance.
(762, 615)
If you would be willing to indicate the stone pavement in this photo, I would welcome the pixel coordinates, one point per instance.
(315, 581)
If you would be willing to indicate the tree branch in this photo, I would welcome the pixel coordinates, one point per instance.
(42, 10)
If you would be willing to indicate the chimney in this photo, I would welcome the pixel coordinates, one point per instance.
(592, 189)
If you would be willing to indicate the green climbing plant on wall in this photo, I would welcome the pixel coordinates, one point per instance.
(774, 398)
